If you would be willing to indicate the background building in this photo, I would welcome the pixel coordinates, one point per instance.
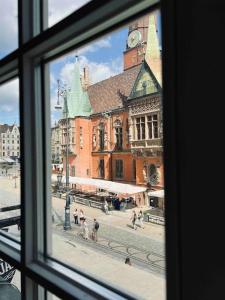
(9, 141)
(115, 125)
(56, 143)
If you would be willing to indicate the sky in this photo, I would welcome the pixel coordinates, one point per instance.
(104, 57)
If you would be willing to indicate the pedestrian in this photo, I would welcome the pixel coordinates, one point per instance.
(106, 207)
(85, 228)
(95, 230)
(139, 200)
(133, 220)
(81, 216)
(141, 219)
(75, 215)
(127, 261)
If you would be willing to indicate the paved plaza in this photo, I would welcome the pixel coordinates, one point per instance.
(104, 260)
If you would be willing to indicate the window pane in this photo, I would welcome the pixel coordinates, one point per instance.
(10, 282)
(94, 95)
(59, 9)
(9, 27)
(51, 296)
(10, 159)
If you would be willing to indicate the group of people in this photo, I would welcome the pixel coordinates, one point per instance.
(84, 225)
(76, 216)
(137, 218)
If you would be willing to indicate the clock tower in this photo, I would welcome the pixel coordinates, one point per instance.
(136, 43)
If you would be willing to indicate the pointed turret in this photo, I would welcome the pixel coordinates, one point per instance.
(152, 54)
(77, 99)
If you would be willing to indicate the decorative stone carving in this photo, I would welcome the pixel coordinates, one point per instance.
(117, 123)
(94, 140)
(105, 139)
(145, 106)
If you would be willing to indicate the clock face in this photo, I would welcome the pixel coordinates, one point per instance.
(134, 38)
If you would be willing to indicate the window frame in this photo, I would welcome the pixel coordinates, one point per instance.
(150, 123)
(101, 165)
(119, 137)
(101, 136)
(119, 168)
(36, 47)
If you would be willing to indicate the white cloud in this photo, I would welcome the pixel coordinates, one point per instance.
(9, 26)
(97, 71)
(66, 73)
(59, 9)
(93, 47)
(101, 71)
(9, 97)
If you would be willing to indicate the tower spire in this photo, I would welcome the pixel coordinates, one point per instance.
(77, 101)
(152, 55)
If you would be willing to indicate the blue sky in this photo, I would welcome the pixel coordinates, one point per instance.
(104, 58)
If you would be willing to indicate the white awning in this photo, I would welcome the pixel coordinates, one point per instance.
(111, 186)
(7, 160)
(159, 193)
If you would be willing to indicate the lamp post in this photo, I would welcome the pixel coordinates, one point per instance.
(15, 175)
(62, 91)
(59, 180)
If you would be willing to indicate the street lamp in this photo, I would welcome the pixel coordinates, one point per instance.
(15, 164)
(62, 91)
(59, 180)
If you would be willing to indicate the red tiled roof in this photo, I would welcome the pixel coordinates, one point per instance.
(110, 93)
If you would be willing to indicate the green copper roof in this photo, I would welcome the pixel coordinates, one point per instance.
(77, 100)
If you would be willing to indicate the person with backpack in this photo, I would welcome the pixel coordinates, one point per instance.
(95, 230)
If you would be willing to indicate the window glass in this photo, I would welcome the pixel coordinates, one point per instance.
(9, 160)
(9, 27)
(51, 296)
(60, 9)
(111, 229)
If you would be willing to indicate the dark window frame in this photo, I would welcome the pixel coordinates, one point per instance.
(101, 168)
(101, 137)
(119, 137)
(27, 60)
(119, 168)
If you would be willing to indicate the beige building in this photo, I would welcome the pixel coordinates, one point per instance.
(56, 144)
(9, 141)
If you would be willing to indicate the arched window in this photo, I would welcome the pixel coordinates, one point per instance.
(101, 136)
(118, 134)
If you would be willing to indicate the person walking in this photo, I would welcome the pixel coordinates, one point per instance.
(133, 220)
(81, 215)
(75, 215)
(127, 261)
(95, 230)
(141, 219)
(106, 207)
(86, 231)
(139, 201)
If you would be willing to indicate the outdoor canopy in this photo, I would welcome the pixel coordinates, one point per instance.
(7, 160)
(110, 186)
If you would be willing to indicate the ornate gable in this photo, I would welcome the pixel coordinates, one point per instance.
(145, 83)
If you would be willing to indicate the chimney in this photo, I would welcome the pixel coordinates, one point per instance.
(86, 81)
